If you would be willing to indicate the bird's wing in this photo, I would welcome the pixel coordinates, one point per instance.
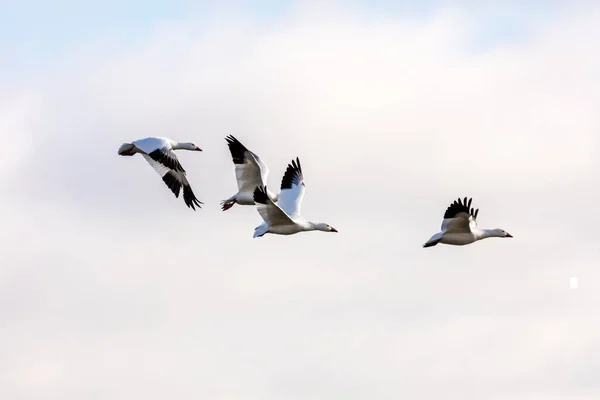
(458, 224)
(292, 189)
(459, 217)
(250, 171)
(175, 180)
(269, 211)
(161, 151)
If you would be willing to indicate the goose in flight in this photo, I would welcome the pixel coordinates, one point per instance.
(284, 217)
(250, 172)
(459, 226)
(159, 152)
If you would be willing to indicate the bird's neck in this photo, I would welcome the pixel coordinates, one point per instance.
(486, 233)
(183, 146)
(313, 226)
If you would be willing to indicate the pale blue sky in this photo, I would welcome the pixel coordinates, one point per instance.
(33, 32)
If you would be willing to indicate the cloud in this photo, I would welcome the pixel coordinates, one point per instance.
(111, 288)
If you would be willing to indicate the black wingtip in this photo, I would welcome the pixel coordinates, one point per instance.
(170, 179)
(297, 164)
(231, 139)
(292, 175)
(236, 148)
(190, 198)
(260, 195)
(461, 205)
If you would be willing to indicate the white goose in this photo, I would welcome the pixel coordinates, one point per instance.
(250, 172)
(158, 151)
(460, 226)
(284, 217)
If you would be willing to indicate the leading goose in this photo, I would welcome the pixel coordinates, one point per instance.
(284, 217)
(250, 172)
(158, 151)
(460, 226)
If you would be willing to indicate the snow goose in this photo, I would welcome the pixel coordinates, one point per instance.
(250, 172)
(459, 226)
(159, 152)
(284, 217)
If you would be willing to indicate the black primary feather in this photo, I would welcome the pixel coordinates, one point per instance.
(170, 179)
(459, 206)
(166, 159)
(293, 175)
(260, 195)
(190, 198)
(237, 149)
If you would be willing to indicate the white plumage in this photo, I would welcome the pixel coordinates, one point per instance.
(159, 153)
(250, 172)
(284, 218)
(459, 226)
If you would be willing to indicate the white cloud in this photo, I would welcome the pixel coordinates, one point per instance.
(113, 289)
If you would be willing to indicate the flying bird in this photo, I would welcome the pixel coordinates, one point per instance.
(250, 172)
(284, 217)
(459, 226)
(159, 152)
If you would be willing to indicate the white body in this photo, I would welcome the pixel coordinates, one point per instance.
(461, 228)
(284, 218)
(459, 238)
(149, 144)
(296, 226)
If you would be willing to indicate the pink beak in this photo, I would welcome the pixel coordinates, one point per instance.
(508, 234)
(333, 229)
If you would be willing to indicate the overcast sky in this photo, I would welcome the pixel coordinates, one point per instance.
(110, 288)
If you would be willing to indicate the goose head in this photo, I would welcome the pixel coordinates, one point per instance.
(324, 227)
(500, 233)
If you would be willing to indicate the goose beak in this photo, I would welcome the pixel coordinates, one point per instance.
(198, 148)
(333, 229)
(508, 235)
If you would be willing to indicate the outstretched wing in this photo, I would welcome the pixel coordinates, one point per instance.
(175, 180)
(459, 217)
(269, 211)
(292, 189)
(250, 171)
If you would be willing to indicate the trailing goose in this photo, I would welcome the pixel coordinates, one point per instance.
(159, 152)
(459, 226)
(284, 217)
(250, 172)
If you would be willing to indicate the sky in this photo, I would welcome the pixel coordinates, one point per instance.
(110, 288)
